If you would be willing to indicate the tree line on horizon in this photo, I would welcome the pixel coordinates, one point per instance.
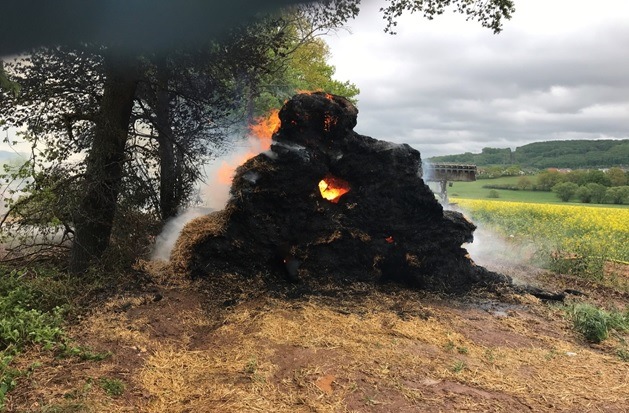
(573, 154)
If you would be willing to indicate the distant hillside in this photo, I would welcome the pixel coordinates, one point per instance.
(558, 154)
(7, 156)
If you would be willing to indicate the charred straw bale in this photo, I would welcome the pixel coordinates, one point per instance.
(328, 204)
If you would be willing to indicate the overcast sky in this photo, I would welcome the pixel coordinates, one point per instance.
(559, 70)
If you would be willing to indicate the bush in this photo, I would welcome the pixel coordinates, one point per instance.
(22, 320)
(565, 190)
(493, 194)
(524, 183)
(548, 179)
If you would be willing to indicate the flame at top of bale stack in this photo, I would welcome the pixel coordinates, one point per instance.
(330, 205)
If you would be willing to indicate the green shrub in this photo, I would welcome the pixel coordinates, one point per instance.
(565, 190)
(23, 322)
(595, 324)
(493, 194)
(8, 376)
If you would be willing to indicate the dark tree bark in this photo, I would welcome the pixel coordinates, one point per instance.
(165, 137)
(104, 163)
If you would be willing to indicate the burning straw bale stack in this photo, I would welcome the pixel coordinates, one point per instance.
(329, 205)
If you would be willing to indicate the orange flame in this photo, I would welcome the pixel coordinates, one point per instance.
(261, 133)
(265, 126)
(310, 92)
(333, 188)
(225, 173)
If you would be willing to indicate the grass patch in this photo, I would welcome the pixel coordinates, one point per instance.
(623, 354)
(596, 324)
(458, 366)
(113, 387)
(475, 190)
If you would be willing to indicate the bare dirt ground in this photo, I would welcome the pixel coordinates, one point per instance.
(182, 346)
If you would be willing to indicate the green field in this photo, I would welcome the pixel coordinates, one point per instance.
(475, 190)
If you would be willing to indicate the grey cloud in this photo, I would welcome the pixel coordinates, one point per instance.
(446, 92)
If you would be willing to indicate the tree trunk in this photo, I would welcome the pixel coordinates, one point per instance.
(104, 164)
(168, 189)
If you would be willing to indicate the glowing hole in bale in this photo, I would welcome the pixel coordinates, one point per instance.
(332, 188)
(329, 122)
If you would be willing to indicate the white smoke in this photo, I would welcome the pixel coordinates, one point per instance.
(213, 194)
(508, 255)
(165, 242)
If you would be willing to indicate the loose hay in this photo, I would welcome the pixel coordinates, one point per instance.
(193, 232)
(374, 350)
(364, 351)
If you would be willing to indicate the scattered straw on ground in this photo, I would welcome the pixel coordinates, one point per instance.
(369, 352)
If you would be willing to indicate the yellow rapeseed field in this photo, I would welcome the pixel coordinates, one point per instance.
(561, 230)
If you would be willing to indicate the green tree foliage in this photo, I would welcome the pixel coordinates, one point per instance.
(490, 172)
(617, 177)
(5, 84)
(574, 154)
(584, 194)
(548, 179)
(599, 177)
(578, 176)
(489, 14)
(597, 192)
(489, 157)
(565, 190)
(304, 64)
(617, 195)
